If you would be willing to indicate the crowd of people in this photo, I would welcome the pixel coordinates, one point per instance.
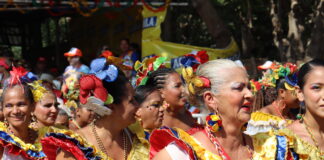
(121, 108)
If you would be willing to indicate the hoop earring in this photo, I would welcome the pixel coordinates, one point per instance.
(214, 122)
(301, 106)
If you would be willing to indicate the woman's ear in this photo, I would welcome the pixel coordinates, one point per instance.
(281, 93)
(138, 113)
(300, 94)
(210, 101)
(162, 93)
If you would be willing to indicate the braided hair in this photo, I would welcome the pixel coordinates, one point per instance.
(158, 77)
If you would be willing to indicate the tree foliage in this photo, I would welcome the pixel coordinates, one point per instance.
(273, 29)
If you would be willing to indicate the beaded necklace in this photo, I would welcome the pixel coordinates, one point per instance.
(220, 149)
(321, 153)
(31, 136)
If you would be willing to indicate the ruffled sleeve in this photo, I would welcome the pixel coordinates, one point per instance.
(303, 149)
(16, 146)
(162, 137)
(262, 122)
(71, 142)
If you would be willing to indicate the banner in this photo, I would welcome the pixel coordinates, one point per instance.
(152, 43)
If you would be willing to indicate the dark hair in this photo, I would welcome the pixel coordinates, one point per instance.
(125, 39)
(271, 94)
(27, 92)
(306, 68)
(117, 88)
(158, 77)
(142, 92)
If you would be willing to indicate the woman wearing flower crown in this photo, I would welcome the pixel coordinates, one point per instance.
(152, 72)
(169, 82)
(109, 94)
(304, 137)
(46, 110)
(79, 116)
(221, 86)
(17, 140)
(278, 83)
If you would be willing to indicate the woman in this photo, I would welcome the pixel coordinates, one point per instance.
(80, 116)
(112, 99)
(221, 86)
(17, 140)
(169, 82)
(46, 110)
(306, 134)
(280, 99)
(150, 111)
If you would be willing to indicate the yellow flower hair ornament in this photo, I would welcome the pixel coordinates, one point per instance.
(38, 90)
(193, 81)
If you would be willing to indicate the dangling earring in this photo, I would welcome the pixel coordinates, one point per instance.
(140, 121)
(165, 105)
(214, 122)
(299, 115)
(33, 118)
(5, 122)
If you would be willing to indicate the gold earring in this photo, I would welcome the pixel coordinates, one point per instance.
(165, 105)
(5, 122)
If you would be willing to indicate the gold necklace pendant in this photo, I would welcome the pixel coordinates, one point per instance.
(101, 145)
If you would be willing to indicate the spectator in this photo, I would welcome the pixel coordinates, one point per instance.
(73, 56)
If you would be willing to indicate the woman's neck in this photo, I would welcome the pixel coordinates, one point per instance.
(231, 135)
(80, 123)
(39, 125)
(279, 109)
(21, 132)
(314, 122)
(107, 125)
(178, 118)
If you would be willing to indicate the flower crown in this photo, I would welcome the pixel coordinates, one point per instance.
(147, 66)
(193, 81)
(275, 71)
(19, 75)
(255, 86)
(195, 59)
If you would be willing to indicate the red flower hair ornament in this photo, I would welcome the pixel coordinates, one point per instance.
(94, 96)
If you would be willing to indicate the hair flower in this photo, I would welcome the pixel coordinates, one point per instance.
(38, 90)
(194, 81)
(20, 75)
(103, 71)
(194, 59)
(94, 96)
(147, 66)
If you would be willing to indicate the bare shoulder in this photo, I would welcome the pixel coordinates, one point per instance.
(295, 126)
(204, 141)
(266, 109)
(64, 155)
(299, 130)
(162, 155)
(200, 136)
